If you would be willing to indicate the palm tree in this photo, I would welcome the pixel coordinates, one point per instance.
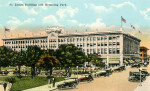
(48, 62)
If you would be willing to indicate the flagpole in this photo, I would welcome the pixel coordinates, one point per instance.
(121, 21)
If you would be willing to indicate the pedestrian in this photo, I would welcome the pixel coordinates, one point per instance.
(5, 85)
(49, 82)
(53, 82)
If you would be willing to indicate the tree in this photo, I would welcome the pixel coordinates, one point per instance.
(18, 59)
(5, 56)
(48, 62)
(33, 55)
(70, 56)
(96, 60)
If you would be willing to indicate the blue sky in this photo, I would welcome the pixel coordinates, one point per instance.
(80, 15)
(101, 15)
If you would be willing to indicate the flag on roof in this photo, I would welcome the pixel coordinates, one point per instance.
(123, 19)
(6, 29)
(133, 27)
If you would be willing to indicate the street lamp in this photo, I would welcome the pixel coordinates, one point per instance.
(140, 77)
(77, 71)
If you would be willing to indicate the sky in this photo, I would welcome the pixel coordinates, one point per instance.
(34, 16)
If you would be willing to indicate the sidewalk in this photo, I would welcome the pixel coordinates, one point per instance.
(49, 87)
(2, 88)
(145, 85)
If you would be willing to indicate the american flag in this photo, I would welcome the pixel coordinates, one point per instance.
(6, 29)
(123, 19)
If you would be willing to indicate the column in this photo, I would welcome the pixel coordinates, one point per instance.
(107, 62)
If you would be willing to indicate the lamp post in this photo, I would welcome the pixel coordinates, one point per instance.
(77, 71)
(140, 77)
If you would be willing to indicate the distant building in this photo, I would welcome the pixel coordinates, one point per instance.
(114, 47)
(143, 53)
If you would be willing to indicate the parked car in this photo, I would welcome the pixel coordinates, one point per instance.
(135, 76)
(109, 71)
(88, 78)
(69, 82)
(102, 73)
(144, 72)
(120, 68)
(136, 65)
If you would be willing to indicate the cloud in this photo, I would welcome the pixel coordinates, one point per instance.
(29, 20)
(73, 21)
(100, 9)
(98, 25)
(62, 13)
(26, 9)
(51, 19)
(85, 5)
(146, 13)
(14, 21)
(123, 4)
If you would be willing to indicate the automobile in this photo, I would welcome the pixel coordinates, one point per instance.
(102, 73)
(88, 78)
(68, 82)
(136, 65)
(120, 68)
(144, 72)
(135, 76)
(109, 71)
(5, 72)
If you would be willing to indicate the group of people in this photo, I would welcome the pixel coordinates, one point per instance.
(53, 82)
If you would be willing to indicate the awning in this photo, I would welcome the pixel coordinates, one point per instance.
(114, 62)
(125, 61)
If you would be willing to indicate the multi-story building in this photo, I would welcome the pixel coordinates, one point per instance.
(143, 54)
(113, 47)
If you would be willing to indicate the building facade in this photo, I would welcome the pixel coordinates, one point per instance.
(113, 47)
(143, 54)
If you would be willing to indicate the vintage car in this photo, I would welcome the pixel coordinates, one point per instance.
(68, 82)
(136, 65)
(109, 71)
(144, 72)
(102, 73)
(120, 68)
(88, 78)
(135, 76)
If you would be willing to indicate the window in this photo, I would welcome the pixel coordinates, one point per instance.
(98, 51)
(83, 44)
(105, 50)
(98, 44)
(102, 44)
(91, 50)
(118, 43)
(105, 38)
(80, 39)
(88, 44)
(102, 50)
(91, 44)
(118, 37)
(77, 39)
(110, 43)
(110, 38)
(98, 38)
(105, 44)
(118, 51)
(114, 38)
(114, 43)
(94, 50)
(102, 38)
(113, 50)
(90, 38)
(110, 51)
(94, 38)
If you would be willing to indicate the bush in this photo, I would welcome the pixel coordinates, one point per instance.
(11, 80)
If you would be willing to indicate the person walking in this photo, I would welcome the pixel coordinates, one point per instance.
(5, 85)
(53, 82)
(49, 82)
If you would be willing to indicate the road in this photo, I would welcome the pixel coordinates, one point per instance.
(118, 81)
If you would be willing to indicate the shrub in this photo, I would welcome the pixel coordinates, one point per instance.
(11, 80)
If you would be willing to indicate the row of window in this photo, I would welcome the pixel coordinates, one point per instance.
(103, 51)
(88, 39)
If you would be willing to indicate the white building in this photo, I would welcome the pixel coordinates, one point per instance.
(113, 47)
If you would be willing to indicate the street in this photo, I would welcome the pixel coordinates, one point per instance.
(118, 81)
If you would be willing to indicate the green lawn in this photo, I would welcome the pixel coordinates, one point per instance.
(27, 82)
